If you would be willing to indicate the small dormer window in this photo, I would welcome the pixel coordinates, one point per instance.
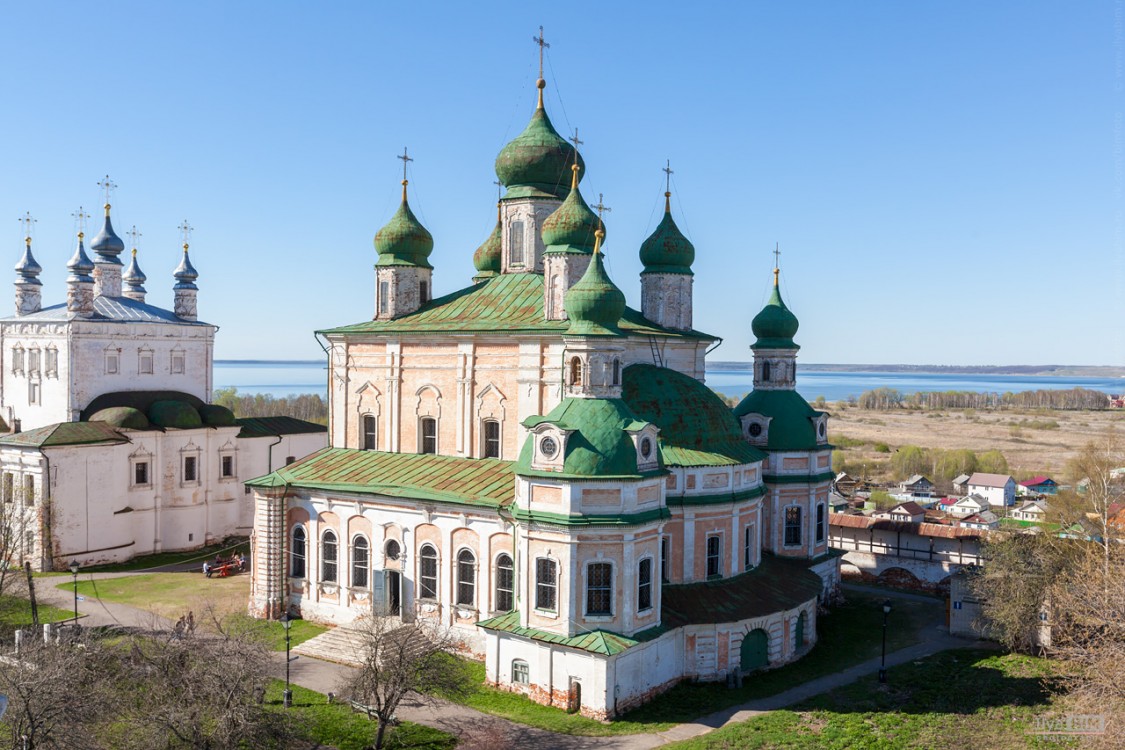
(821, 430)
(548, 447)
(646, 447)
(755, 430)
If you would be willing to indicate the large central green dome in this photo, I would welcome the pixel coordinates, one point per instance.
(536, 164)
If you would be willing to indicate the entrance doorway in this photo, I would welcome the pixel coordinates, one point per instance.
(755, 650)
(394, 593)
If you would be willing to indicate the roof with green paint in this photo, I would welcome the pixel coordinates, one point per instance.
(775, 326)
(508, 304)
(178, 415)
(536, 163)
(667, 250)
(216, 415)
(596, 642)
(140, 400)
(66, 433)
(791, 425)
(570, 229)
(696, 427)
(122, 417)
(404, 241)
(486, 259)
(777, 584)
(253, 427)
(465, 481)
(594, 304)
(599, 445)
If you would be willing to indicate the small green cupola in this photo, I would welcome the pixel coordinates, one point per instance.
(486, 259)
(571, 228)
(404, 241)
(775, 326)
(667, 250)
(535, 163)
(594, 305)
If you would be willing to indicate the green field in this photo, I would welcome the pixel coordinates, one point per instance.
(15, 612)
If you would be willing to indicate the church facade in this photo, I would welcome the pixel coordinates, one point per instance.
(540, 468)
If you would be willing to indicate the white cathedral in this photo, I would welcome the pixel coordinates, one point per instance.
(540, 468)
(112, 447)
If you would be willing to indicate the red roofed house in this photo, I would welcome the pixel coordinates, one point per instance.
(1039, 486)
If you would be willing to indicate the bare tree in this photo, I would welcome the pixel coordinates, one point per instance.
(1093, 469)
(398, 659)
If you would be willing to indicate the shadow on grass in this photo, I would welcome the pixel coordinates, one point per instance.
(175, 560)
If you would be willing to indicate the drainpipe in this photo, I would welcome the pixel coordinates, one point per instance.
(46, 541)
(269, 454)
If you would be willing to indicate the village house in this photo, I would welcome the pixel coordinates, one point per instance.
(998, 490)
(961, 484)
(967, 506)
(917, 486)
(986, 519)
(1033, 510)
(1040, 485)
(909, 512)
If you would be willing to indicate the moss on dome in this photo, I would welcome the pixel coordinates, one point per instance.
(571, 228)
(214, 415)
(122, 417)
(487, 257)
(177, 415)
(404, 241)
(667, 250)
(595, 304)
(536, 163)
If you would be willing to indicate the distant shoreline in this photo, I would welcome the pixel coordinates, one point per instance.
(1070, 371)
(319, 362)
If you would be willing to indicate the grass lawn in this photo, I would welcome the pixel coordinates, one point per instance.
(299, 631)
(15, 612)
(338, 726)
(950, 701)
(851, 634)
(169, 595)
(147, 562)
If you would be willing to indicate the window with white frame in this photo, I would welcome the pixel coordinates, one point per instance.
(427, 572)
(427, 431)
(33, 392)
(793, 526)
(178, 364)
(298, 553)
(516, 243)
(714, 556)
(361, 562)
(423, 292)
(748, 548)
(599, 588)
(144, 362)
(820, 509)
(491, 438)
(505, 584)
(9, 487)
(227, 468)
(329, 557)
(644, 585)
(112, 363)
(546, 584)
(141, 473)
(191, 469)
(466, 578)
(370, 426)
(521, 673)
(665, 558)
(28, 489)
(33, 361)
(393, 550)
(51, 362)
(17, 360)
(384, 297)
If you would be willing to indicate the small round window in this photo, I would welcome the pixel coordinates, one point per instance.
(755, 430)
(821, 430)
(548, 446)
(646, 447)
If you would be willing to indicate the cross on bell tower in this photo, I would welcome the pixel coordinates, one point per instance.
(541, 83)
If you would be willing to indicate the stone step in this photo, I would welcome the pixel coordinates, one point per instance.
(339, 645)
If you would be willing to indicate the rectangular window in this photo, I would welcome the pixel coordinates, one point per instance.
(384, 295)
(111, 364)
(748, 549)
(515, 242)
(190, 466)
(491, 438)
(33, 361)
(521, 674)
(28, 489)
(17, 360)
(714, 556)
(52, 365)
(505, 584)
(644, 585)
(428, 427)
(227, 466)
(145, 367)
(177, 363)
(423, 292)
(427, 574)
(9, 486)
(33, 392)
(370, 432)
(140, 473)
(820, 523)
(792, 525)
(545, 584)
(599, 589)
(665, 555)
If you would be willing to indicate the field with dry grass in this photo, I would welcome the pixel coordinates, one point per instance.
(1034, 442)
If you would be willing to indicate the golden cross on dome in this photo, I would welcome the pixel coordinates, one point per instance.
(28, 222)
(405, 160)
(107, 185)
(134, 236)
(777, 255)
(498, 185)
(667, 170)
(186, 229)
(80, 216)
(542, 42)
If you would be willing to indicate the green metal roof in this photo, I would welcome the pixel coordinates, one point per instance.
(594, 304)
(536, 163)
(140, 400)
(791, 426)
(775, 326)
(253, 427)
(667, 250)
(66, 433)
(696, 427)
(777, 584)
(122, 417)
(466, 481)
(596, 642)
(404, 241)
(598, 447)
(507, 304)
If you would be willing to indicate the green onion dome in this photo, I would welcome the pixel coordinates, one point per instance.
(775, 326)
(667, 250)
(487, 257)
(595, 304)
(535, 163)
(404, 241)
(571, 228)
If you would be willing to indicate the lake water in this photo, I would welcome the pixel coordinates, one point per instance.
(292, 378)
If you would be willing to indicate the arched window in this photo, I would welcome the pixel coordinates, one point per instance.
(765, 372)
(297, 553)
(427, 572)
(576, 371)
(644, 585)
(617, 372)
(427, 428)
(793, 525)
(329, 555)
(466, 578)
(370, 432)
(393, 550)
(360, 562)
(505, 584)
(491, 438)
(599, 588)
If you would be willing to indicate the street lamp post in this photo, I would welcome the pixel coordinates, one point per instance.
(883, 663)
(288, 696)
(74, 572)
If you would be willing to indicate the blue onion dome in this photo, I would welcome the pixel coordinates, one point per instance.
(28, 268)
(80, 265)
(487, 257)
(106, 243)
(535, 163)
(134, 276)
(404, 241)
(595, 304)
(185, 273)
(571, 228)
(667, 250)
(775, 326)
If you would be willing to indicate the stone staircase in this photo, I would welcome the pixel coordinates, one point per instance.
(339, 645)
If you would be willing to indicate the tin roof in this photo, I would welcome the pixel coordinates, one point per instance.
(937, 530)
(595, 642)
(66, 433)
(791, 425)
(506, 304)
(980, 479)
(110, 310)
(467, 481)
(253, 427)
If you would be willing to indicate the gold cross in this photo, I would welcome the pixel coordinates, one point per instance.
(107, 185)
(405, 160)
(80, 216)
(186, 229)
(542, 45)
(27, 223)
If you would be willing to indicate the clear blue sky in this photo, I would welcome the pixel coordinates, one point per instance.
(945, 179)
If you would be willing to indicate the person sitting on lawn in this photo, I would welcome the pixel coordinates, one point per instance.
(206, 569)
(241, 562)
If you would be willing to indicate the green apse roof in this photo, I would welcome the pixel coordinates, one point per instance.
(599, 444)
(66, 433)
(214, 415)
(601, 642)
(404, 241)
(124, 417)
(536, 164)
(791, 425)
(667, 250)
(594, 304)
(775, 326)
(487, 257)
(571, 228)
(178, 415)
(696, 427)
(510, 304)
